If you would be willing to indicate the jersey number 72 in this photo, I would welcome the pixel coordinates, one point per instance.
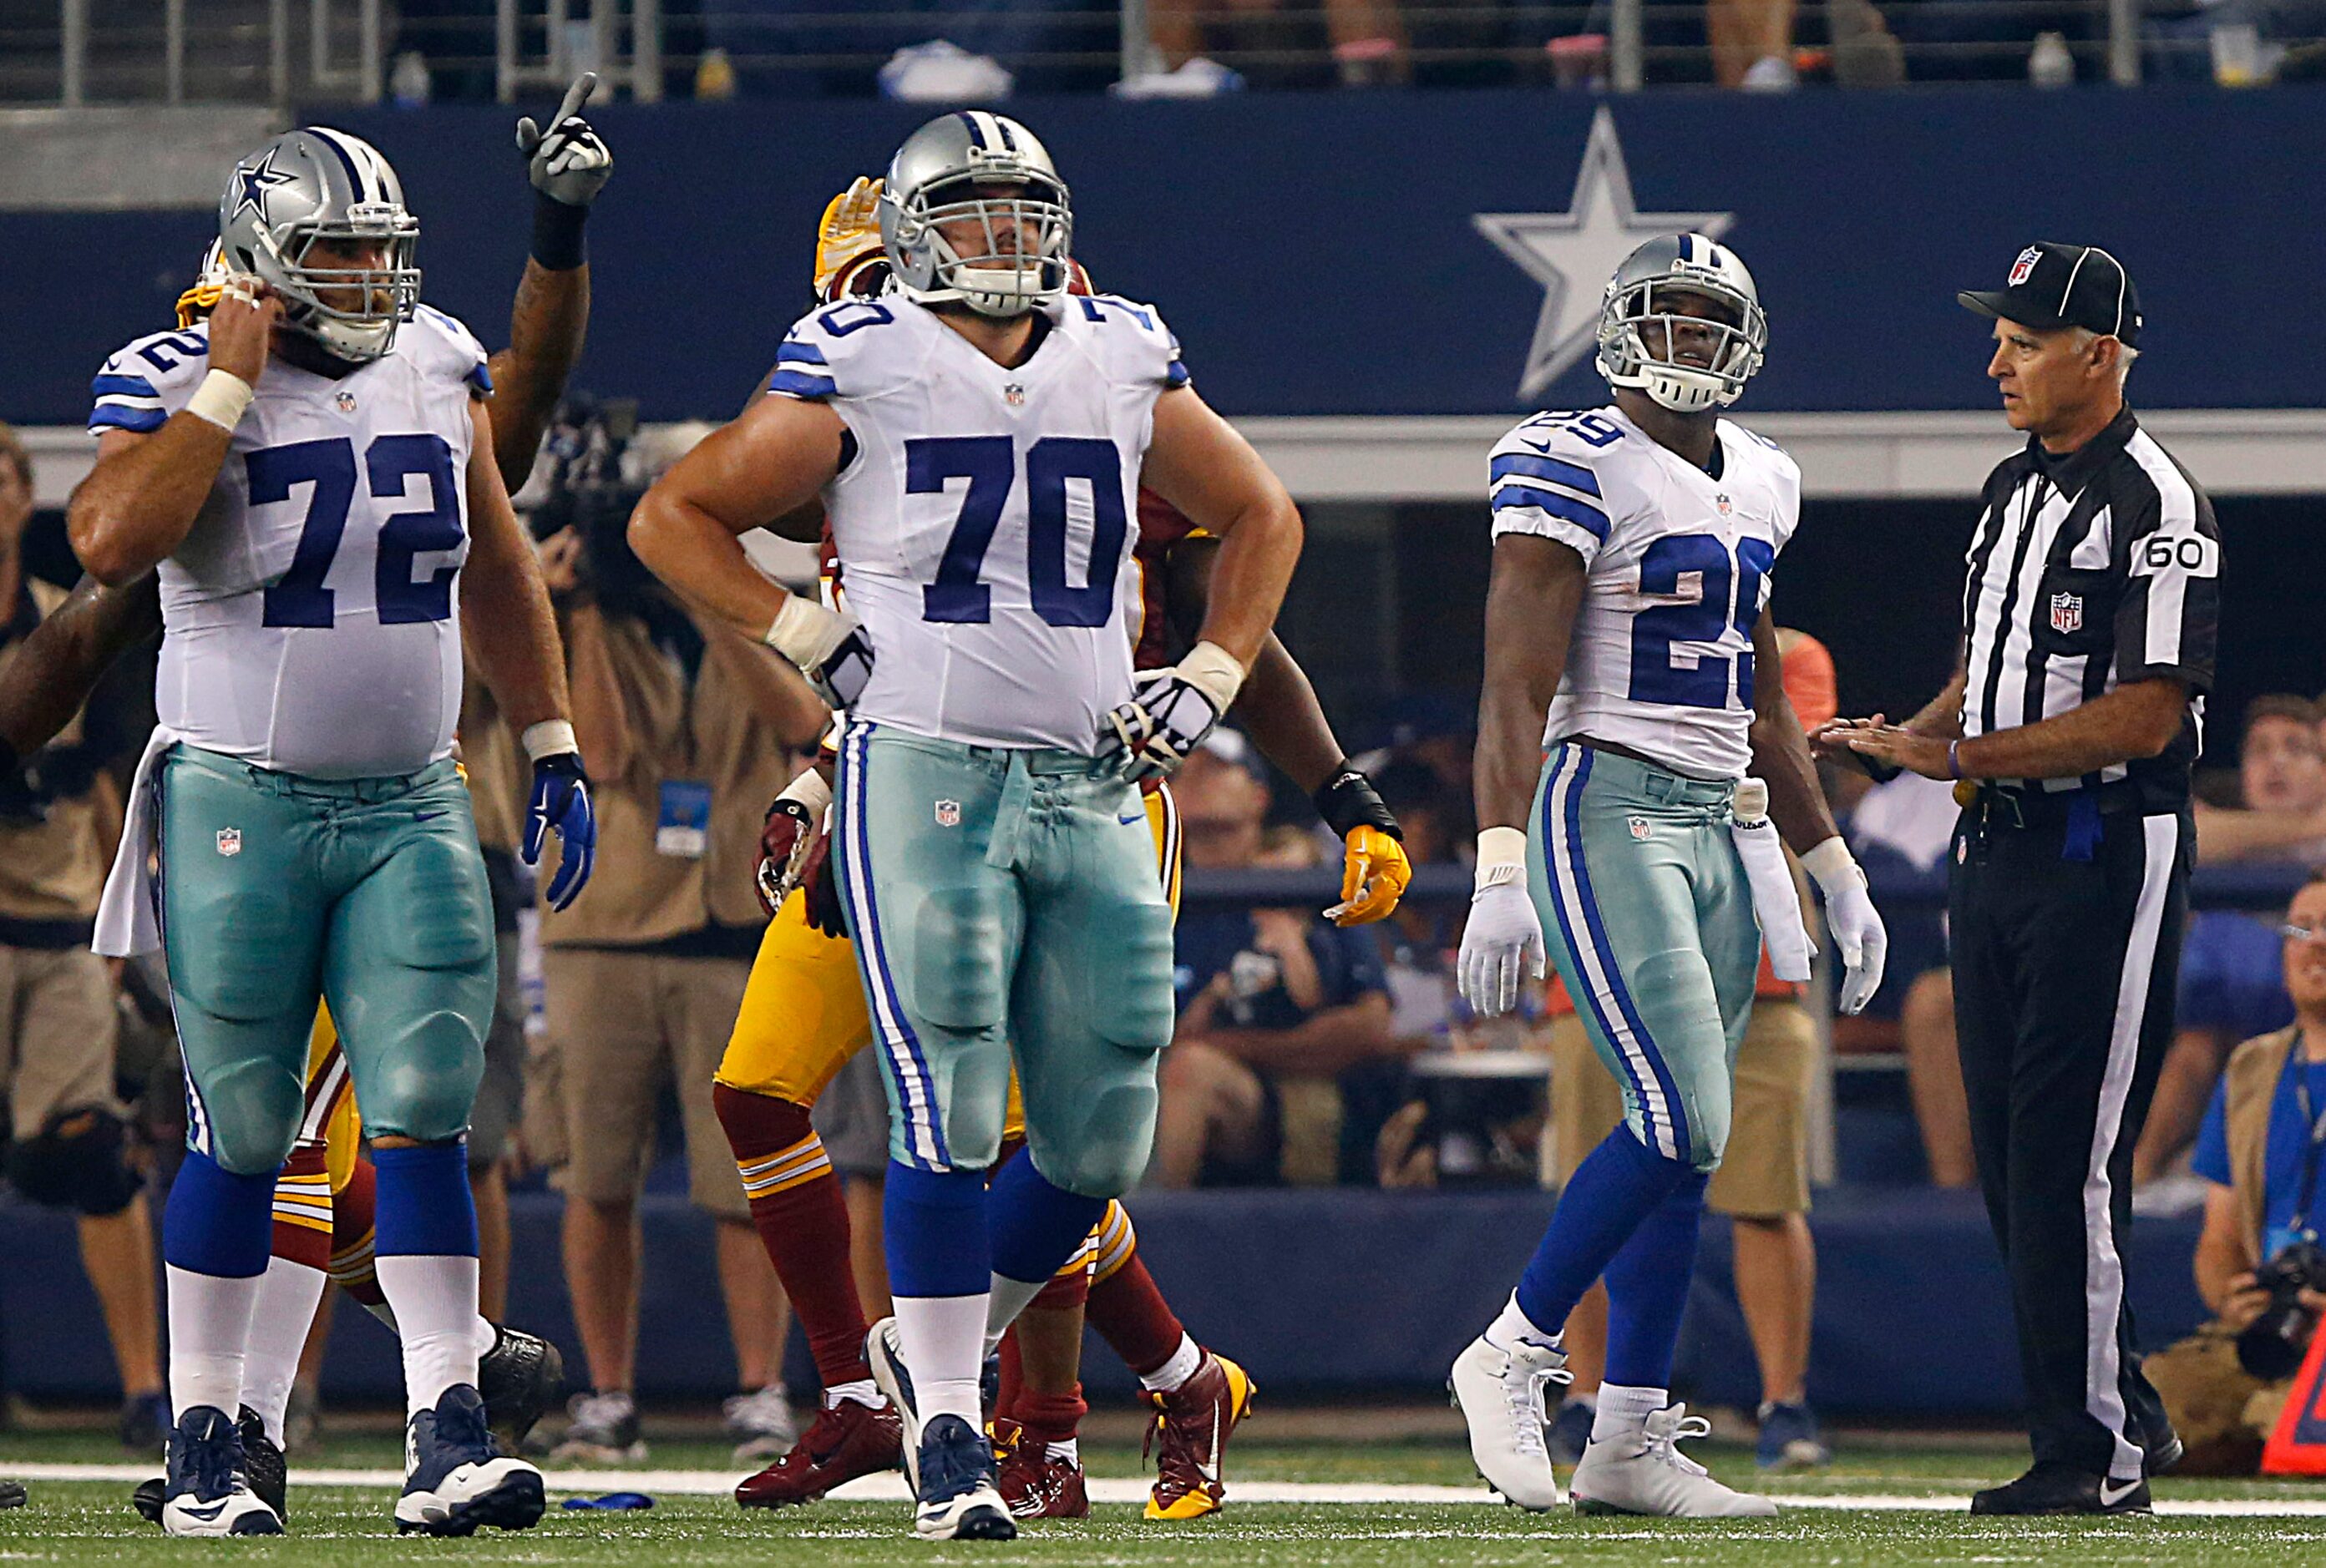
(989, 464)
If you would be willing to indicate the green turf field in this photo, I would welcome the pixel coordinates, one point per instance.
(90, 1521)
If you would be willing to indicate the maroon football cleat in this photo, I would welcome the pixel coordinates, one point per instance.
(1190, 1437)
(845, 1440)
(1038, 1487)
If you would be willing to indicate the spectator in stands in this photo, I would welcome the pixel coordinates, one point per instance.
(60, 816)
(1763, 1184)
(1368, 38)
(1275, 1007)
(2258, 1157)
(687, 733)
(2230, 984)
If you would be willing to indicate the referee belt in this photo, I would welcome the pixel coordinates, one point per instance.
(1998, 806)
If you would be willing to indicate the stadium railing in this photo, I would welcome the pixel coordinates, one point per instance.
(75, 52)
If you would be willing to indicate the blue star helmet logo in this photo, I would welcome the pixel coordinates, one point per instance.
(257, 179)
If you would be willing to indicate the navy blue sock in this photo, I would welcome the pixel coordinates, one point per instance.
(423, 1208)
(1647, 1287)
(1617, 1185)
(1037, 1224)
(934, 1232)
(217, 1222)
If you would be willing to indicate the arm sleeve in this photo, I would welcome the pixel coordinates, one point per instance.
(140, 387)
(2211, 1158)
(1539, 483)
(2168, 620)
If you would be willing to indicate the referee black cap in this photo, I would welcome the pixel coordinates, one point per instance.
(2054, 285)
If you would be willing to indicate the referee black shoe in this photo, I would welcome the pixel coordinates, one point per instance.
(2051, 1487)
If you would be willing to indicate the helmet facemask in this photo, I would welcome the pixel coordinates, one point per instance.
(999, 271)
(1638, 321)
(386, 295)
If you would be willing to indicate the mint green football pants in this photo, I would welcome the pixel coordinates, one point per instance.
(277, 889)
(1004, 902)
(1649, 918)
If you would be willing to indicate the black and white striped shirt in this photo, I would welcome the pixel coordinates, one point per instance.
(2089, 572)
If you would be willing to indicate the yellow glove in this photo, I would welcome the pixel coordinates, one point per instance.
(850, 232)
(1374, 872)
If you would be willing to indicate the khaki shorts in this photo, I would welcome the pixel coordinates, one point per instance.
(59, 1056)
(1766, 1170)
(622, 1022)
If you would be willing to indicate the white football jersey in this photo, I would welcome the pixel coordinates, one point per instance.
(310, 617)
(985, 517)
(1678, 569)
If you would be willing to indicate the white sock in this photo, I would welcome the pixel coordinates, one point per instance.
(864, 1390)
(1070, 1451)
(486, 1335)
(210, 1332)
(939, 1337)
(436, 1302)
(288, 1296)
(1512, 1328)
(1006, 1299)
(1623, 1410)
(1176, 1371)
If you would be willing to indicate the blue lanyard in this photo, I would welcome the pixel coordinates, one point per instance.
(2314, 1141)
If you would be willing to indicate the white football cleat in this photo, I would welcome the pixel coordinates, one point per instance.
(1644, 1472)
(1500, 1394)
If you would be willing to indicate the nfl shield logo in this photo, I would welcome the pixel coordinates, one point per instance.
(2067, 612)
(1723, 504)
(1014, 395)
(345, 402)
(948, 813)
(229, 841)
(1641, 828)
(2025, 267)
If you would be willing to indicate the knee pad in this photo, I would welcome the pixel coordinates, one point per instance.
(957, 978)
(76, 1162)
(246, 1117)
(1679, 1005)
(1104, 1151)
(1133, 1002)
(424, 1086)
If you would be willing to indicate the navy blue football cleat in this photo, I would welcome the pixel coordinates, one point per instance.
(456, 1477)
(206, 1491)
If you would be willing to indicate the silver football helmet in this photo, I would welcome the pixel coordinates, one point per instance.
(945, 178)
(1637, 326)
(315, 185)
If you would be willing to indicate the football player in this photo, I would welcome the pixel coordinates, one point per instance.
(323, 1202)
(804, 1015)
(998, 880)
(1630, 662)
(302, 858)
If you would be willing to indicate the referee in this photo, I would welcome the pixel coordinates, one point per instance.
(2090, 612)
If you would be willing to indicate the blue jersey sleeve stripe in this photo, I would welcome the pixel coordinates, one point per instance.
(122, 386)
(1574, 476)
(126, 418)
(481, 376)
(1581, 513)
(799, 354)
(799, 383)
(1175, 374)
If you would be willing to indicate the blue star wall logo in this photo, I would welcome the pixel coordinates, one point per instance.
(1573, 254)
(257, 179)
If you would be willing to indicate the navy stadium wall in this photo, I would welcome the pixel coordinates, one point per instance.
(1375, 253)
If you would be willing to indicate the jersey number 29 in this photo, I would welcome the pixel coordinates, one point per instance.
(1729, 594)
(989, 464)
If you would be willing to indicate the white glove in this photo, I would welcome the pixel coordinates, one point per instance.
(831, 650)
(568, 161)
(1858, 936)
(1504, 934)
(1170, 711)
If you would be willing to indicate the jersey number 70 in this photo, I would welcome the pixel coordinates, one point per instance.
(989, 464)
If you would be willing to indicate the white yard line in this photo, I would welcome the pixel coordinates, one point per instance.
(705, 1483)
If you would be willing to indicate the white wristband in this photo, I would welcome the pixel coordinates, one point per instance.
(1215, 672)
(1833, 867)
(801, 631)
(809, 790)
(550, 737)
(1502, 856)
(222, 399)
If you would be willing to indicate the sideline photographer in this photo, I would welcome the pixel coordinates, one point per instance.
(2259, 1264)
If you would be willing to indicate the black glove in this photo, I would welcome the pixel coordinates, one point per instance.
(826, 910)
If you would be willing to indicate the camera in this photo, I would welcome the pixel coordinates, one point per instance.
(2272, 1346)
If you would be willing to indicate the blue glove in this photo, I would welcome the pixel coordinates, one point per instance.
(561, 799)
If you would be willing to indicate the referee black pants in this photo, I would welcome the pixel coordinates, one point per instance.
(2064, 974)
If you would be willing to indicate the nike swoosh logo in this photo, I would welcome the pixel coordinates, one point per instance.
(1134, 817)
(1211, 1473)
(206, 1514)
(425, 816)
(1542, 447)
(2113, 1493)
